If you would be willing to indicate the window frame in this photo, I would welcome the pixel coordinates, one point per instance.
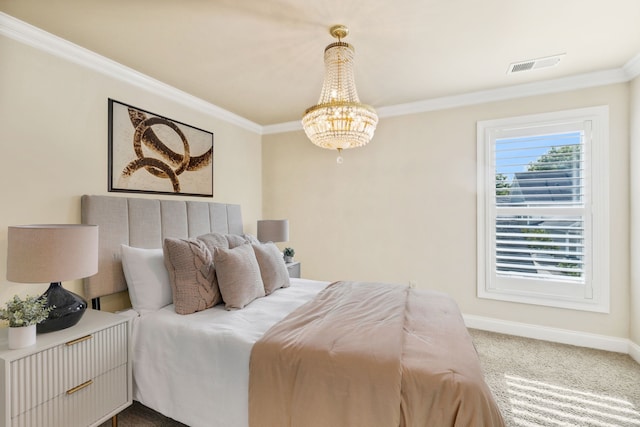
(593, 295)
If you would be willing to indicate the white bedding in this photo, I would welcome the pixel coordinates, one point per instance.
(195, 368)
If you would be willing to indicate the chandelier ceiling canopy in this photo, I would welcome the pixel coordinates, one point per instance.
(339, 120)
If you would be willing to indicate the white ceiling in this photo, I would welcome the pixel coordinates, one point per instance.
(263, 59)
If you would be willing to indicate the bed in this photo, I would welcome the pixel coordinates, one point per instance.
(300, 353)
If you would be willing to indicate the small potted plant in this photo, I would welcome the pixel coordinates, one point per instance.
(23, 315)
(288, 254)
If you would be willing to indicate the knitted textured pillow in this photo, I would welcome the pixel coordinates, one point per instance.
(192, 275)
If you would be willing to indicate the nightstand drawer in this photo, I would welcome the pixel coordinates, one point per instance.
(42, 376)
(81, 407)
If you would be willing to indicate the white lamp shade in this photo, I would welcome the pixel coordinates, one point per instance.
(51, 252)
(273, 230)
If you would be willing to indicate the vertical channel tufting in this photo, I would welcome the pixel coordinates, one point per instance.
(112, 216)
(145, 225)
(173, 217)
(234, 219)
(218, 213)
(198, 220)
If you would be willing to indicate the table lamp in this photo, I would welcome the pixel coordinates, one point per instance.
(54, 253)
(273, 230)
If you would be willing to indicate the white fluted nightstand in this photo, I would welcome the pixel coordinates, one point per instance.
(294, 269)
(79, 376)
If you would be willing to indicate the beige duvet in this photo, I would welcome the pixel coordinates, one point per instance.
(370, 354)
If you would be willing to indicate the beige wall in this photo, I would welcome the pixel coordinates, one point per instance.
(634, 301)
(403, 208)
(53, 145)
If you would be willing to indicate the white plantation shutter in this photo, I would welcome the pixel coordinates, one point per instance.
(538, 211)
(546, 247)
(545, 174)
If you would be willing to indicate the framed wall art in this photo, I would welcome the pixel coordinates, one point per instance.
(149, 153)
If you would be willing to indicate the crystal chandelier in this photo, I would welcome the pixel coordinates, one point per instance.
(339, 120)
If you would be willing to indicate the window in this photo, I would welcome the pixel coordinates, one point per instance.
(543, 209)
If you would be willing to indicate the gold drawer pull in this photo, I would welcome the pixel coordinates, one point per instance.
(76, 341)
(80, 387)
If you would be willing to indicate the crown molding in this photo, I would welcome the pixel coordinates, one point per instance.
(282, 127)
(35, 37)
(565, 84)
(632, 67)
(40, 39)
(581, 81)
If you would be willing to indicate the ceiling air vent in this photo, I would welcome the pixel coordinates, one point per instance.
(534, 64)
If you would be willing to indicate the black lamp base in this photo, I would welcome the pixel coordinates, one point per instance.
(68, 309)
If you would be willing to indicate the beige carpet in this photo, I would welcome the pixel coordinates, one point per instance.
(535, 383)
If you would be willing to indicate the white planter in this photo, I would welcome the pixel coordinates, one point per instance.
(24, 336)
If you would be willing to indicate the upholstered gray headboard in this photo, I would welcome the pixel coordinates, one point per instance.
(145, 223)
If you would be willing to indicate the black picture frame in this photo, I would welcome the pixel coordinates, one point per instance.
(149, 153)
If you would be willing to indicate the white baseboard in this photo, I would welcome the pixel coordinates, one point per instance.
(634, 351)
(564, 336)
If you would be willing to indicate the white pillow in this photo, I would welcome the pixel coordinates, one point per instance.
(147, 278)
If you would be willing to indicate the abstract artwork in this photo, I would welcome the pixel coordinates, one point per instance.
(149, 153)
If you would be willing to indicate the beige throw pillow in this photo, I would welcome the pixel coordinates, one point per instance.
(235, 240)
(213, 241)
(227, 240)
(273, 270)
(190, 267)
(238, 276)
